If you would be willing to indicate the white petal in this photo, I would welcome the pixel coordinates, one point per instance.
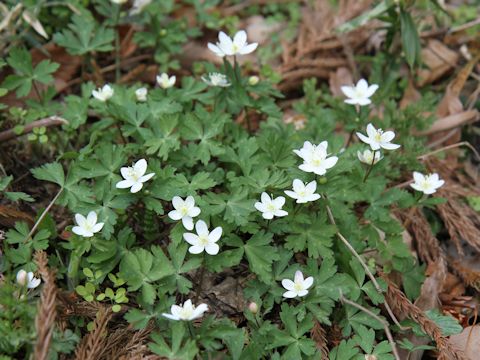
(311, 187)
(298, 185)
(125, 171)
(190, 201)
(196, 249)
(298, 278)
(175, 215)
(291, 194)
(248, 49)
(418, 177)
(124, 184)
(371, 90)
(170, 316)
(190, 238)
(97, 227)
(240, 39)
(387, 136)
(279, 202)
(136, 187)
(302, 293)
(224, 39)
(288, 284)
(265, 198)
(140, 167)
(147, 177)
(349, 91)
(267, 215)
(187, 222)
(290, 294)
(416, 187)
(280, 213)
(212, 249)
(330, 162)
(215, 234)
(387, 146)
(80, 220)
(371, 131)
(194, 211)
(177, 202)
(199, 311)
(260, 206)
(362, 86)
(33, 283)
(92, 218)
(308, 282)
(215, 49)
(362, 137)
(201, 228)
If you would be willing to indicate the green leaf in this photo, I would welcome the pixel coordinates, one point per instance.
(366, 16)
(84, 36)
(447, 323)
(261, 255)
(410, 38)
(52, 172)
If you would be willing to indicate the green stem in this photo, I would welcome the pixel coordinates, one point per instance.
(73, 266)
(191, 331)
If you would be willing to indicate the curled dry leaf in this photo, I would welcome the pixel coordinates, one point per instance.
(439, 60)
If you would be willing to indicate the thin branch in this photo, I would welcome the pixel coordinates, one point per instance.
(378, 318)
(365, 267)
(463, 143)
(49, 121)
(45, 212)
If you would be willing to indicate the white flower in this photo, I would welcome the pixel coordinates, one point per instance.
(24, 278)
(303, 193)
(119, 1)
(227, 47)
(378, 139)
(315, 158)
(366, 156)
(87, 226)
(138, 6)
(185, 210)
(359, 94)
(134, 176)
(428, 184)
(141, 94)
(187, 312)
(166, 81)
(104, 93)
(270, 207)
(216, 79)
(297, 287)
(203, 240)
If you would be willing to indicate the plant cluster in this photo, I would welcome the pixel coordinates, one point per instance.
(166, 187)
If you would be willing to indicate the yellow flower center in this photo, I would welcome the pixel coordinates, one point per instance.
(298, 287)
(203, 240)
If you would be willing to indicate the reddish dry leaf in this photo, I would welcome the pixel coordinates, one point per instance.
(342, 76)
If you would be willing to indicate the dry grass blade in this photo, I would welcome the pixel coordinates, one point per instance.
(319, 335)
(92, 343)
(45, 319)
(402, 305)
(469, 276)
(127, 343)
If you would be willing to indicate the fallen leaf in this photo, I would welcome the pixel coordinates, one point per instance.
(439, 60)
(468, 341)
(342, 76)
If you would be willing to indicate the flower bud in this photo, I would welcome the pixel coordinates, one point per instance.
(22, 277)
(370, 357)
(322, 180)
(253, 307)
(253, 80)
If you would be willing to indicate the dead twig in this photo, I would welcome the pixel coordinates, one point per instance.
(364, 265)
(379, 319)
(47, 122)
(463, 143)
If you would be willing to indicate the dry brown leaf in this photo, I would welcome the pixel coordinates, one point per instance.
(410, 96)
(342, 76)
(439, 59)
(259, 30)
(469, 341)
(451, 122)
